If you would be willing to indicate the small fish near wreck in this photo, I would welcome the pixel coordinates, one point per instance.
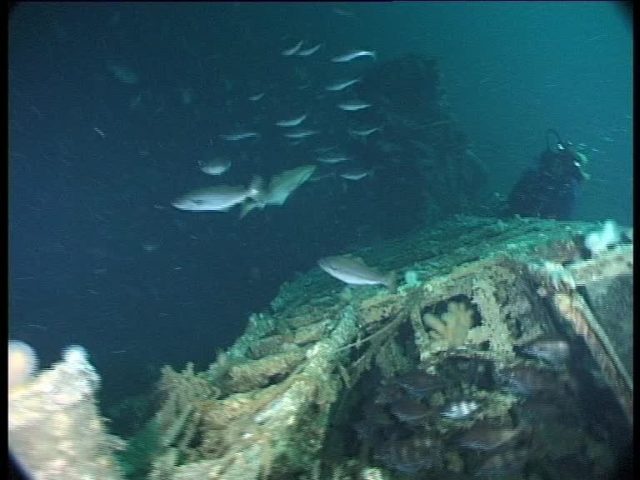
(353, 271)
(257, 97)
(409, 411)
(292, 122)
(525, 380)
(309, 51)
(552, 351)
(339, 86)
(292, 50)
(215, 166)
(219, 198)
(353, 54)
(364, 132)
(419, 384)
(123, 74)
(484, 437)
(460, 410)
(332, 158)
(300, 134)
(355, 174)
(280, 187)
(502, 464)
(353, 105)
(411, 455)
(235, 137)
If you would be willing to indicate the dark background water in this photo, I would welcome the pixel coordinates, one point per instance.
(97, 255)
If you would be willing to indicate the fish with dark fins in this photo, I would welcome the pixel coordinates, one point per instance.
(486, 437)
(525, 380)
(409, 411)
(553, 351)
(509, 462)
(419, 384)
(377, 423)
(389, 392)
(411, 455)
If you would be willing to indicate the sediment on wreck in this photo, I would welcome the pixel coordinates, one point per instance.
(315, 387)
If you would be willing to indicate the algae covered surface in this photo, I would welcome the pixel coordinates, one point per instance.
(430, 381)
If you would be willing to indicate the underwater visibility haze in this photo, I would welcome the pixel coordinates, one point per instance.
(320, 240)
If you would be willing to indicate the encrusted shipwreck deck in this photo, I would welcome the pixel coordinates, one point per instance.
(359, 382)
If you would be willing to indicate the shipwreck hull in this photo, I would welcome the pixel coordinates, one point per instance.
(315, 387)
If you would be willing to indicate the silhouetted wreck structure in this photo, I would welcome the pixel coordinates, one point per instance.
(420, 142)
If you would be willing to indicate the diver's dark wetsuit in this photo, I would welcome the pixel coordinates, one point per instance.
(549, 191)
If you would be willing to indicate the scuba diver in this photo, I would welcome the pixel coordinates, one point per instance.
(549, 190)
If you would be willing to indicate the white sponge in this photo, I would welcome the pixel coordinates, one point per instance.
(598, 242)
(23, 363)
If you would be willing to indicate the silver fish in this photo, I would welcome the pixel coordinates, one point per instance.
(502, 464)
(419, 384)
(408, 410)
(356, 174)
(280, 187)
(525, 380)
(234, 137)
(123, 74)
(353, 271)
(219, 198)
(215, 166)
(342, 12)
(186, 94)
(487, 437)
(309, 51)
(553, 351)
(326, 149)
(339, 86)
(460, 410)
(294, 122)
(332, 158)
(283, 184)
(364, 132)
(411, 455)
(256, 97)
(298, 134)
(293, 50)
(353, 105)
(353, 54)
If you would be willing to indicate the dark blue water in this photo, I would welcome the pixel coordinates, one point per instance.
(99, 257)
